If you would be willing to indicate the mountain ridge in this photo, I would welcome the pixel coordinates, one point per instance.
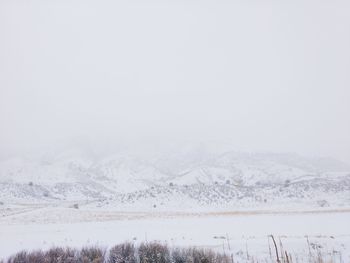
(197, 178)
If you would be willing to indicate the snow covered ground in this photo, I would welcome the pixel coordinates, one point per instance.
(243, 235)
(230, 202)
(177, 181)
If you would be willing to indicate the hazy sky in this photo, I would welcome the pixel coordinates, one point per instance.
(260, 75)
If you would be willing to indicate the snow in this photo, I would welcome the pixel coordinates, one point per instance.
(246, 233)
(229, 179)
(206, 199)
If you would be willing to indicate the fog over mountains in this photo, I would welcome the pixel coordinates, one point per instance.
(263, 77)
(193, 177)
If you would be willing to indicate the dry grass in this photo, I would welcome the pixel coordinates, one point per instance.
(153, 252)
(280, 255)
(124, 253)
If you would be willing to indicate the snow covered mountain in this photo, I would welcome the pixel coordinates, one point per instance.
(174, 180)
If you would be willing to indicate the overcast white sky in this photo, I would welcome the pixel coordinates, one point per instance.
(260, 75)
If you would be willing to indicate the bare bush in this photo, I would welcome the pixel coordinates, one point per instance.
(149, 253)
(154, 253)
(195, 255)
(181, 256)
(207, 256)
(28, 257)
(92, 255)
(36, 257)
(20, 257)
(61, 255)
(123, 253)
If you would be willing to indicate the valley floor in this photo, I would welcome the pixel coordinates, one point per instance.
(243, 234)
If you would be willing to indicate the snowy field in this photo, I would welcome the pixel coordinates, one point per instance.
(243, 235)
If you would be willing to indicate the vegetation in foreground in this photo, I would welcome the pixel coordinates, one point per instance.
(152, 252)
(123, 253)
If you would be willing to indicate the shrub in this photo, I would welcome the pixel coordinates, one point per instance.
(203, 256)
(194, 255)
(54, 255)
(92, 255)
(154, 253)
(145, 253)
(123, 253)
(181, 256)
(36, 257)
(18, 258)
(61, 255)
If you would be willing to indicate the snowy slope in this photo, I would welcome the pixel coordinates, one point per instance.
(175, 180)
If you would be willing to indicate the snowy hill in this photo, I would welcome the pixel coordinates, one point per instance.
(224, 180)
